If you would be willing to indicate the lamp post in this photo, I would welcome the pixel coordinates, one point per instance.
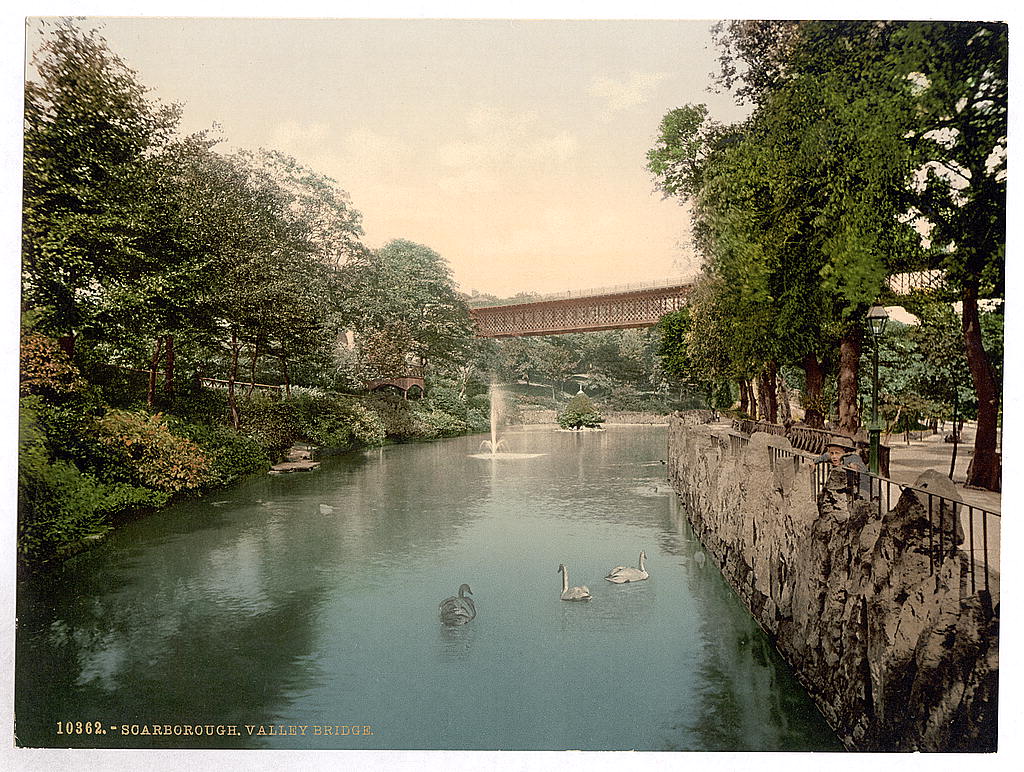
(877, 317)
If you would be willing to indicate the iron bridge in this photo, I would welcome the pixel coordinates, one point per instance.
(611, 308)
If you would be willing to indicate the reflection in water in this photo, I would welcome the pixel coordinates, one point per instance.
(305, 599)
(456, 642)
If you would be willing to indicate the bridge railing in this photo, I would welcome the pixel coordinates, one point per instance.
(617, 289)
(219, 383)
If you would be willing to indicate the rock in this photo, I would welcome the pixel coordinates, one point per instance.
(867, 606)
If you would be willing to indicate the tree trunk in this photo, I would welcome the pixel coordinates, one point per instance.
(287, 376)
(252, 367)
(984, 470)
(232, 375)
(744, 402)
(814, 415)
(154, 363)
(785, 407)
(769, 382)
(169, 368)
(762, 396)
(751, 398)
(849, 361)
(956, 441)
(67, 344)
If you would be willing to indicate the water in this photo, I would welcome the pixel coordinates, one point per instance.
(310, 600)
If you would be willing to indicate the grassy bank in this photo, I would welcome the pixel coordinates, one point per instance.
(92, 453)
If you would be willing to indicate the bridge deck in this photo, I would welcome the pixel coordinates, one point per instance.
(611, 309)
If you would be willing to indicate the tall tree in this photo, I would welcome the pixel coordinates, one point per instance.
(407, 287)
(89, 130)
(798, 211)
(960, 71)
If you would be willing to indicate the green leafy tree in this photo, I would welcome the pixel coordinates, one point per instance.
(87, 208)
(580, 413)
(960, 70)
(799, 215)
(407, 288)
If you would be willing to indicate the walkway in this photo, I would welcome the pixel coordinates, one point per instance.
(906, 462)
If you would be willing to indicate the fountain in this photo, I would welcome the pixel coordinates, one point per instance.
(494, 446)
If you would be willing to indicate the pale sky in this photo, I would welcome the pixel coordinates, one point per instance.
(515, 149)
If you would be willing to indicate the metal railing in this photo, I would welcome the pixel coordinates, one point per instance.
(219, 383)
(617, 289)
(943, 514)
(813, 441)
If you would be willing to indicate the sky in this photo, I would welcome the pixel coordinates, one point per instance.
(515, 149)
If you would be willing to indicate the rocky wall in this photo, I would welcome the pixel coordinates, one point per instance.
(878, 620)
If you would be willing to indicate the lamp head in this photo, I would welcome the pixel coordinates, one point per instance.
(877, 318)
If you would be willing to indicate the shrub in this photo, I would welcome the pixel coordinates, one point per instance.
(580, 413)
(150, 454)
(201, 405)
(441, 423)
(334, 423)
(274, 424)
(58, 505)
(231, 455)
(400, 421)
(46, 369)
(68, 429)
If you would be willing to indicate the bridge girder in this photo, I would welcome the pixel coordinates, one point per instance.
(587, 313)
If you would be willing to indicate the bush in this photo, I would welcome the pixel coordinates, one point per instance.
(58, 505)
(440, 423)
(149, 454)
(343, 425)
(231, 455)
(580, 413)
(398, 418)
(201, 405)
(46, 369)
(274, 424)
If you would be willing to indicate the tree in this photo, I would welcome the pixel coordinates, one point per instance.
(580, 413)
(961, 73)
(798, 213)
(556, 362)
(89, 132)
(407, 288)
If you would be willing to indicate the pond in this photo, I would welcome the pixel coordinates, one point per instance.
(301, 611)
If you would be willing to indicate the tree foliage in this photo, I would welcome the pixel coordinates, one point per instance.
(580, 413)
(406, 291)
(861, 134)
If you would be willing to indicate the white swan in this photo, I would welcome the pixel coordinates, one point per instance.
(458, 609)
(623, 574)
(574, 593)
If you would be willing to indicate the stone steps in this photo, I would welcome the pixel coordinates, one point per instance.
(299, 458)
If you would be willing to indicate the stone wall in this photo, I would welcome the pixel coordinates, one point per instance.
(878, 623)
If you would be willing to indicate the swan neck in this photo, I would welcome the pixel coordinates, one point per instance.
(565, 579)
(642, 561)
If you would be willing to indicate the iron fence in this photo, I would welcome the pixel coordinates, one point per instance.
(805, 438)
(943, 513)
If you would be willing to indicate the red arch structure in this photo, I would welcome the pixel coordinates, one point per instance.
(613, 308)
(411, 383)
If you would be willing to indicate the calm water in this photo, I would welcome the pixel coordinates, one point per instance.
(311, 600)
